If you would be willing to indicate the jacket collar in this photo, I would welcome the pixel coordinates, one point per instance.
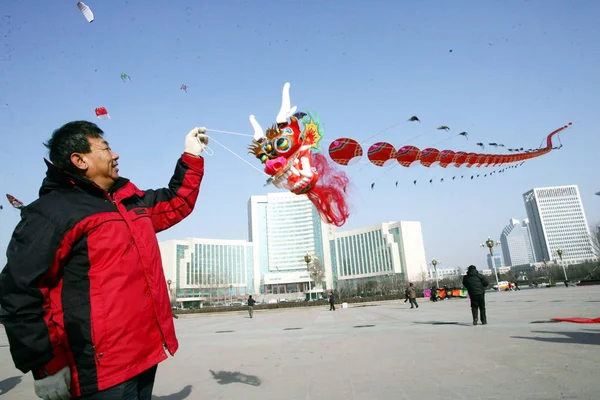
(58, 178)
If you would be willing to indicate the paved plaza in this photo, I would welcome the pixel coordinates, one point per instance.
(381, 351)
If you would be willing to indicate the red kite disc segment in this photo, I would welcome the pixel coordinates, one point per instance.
(446, 158)
(345, 151)
(407, 155)
(429, 156)
(381, 154)
(459, 158)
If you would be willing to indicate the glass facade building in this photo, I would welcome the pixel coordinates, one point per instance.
(389, 248)
(517, 246)
(208, 268)
(283, 228)
(557, 221)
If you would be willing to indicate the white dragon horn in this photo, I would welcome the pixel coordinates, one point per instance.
(258, 131)
(286, 110)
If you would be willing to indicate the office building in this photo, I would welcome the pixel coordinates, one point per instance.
(445, 272)
(497, 262)
(388, 249)
(517, 247)
(208, 269)
(557, 221)
(283, 228)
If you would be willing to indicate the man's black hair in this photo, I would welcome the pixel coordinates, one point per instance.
(71, 138)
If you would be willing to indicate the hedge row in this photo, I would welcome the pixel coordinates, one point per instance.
(286, 304)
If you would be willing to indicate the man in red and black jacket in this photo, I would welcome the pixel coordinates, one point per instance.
(83, 296)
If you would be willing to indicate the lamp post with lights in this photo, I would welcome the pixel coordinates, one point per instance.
(489, 243)
(307, 260)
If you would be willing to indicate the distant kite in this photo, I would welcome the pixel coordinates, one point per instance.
(465, 134)
(101, 113)
(85, 10)
(125, 77)
(184, 87)
(14, 202)
(414, 118)
(444, 127)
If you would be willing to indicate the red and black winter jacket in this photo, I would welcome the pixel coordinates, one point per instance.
(84, 284)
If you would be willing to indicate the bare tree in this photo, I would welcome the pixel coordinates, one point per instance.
(316, 271)
(595, 239)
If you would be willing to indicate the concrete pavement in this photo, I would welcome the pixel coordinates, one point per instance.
(382, 351)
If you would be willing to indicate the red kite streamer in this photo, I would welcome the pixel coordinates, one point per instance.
(344, 151)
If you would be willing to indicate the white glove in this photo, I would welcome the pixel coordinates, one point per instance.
(196, 141)
(54, 387)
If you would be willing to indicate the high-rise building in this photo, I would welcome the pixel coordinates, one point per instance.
(517, 247)
(208, 268)
(390, 248)
(557, 221)
(497, 263)
(283, 228)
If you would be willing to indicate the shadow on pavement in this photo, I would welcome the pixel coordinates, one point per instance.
(9, 384)
(442, 323)
(568, 337)
(182, 394)
(227, 377)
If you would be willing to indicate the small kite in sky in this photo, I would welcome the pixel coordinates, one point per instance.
(125, 77)
(444, 127)
(101, 113)
(465, 134)
(15, 203)
(414, 118)
(480, 145)
(85, 10)
(184, 87)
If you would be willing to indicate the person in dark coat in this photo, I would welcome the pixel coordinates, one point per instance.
(331, 302)
(434, 294)
(475, 283)
(412, 296)
(251, 303)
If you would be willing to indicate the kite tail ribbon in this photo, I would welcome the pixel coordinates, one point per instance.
(329, 195)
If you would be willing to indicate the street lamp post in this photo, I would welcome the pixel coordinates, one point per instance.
(169, 285)
(307, 260)
(489, 243)
(435, 263)
(560, 253)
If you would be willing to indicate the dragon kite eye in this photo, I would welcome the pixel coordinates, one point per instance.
(288, 131)
(282, 144)
(269, 147)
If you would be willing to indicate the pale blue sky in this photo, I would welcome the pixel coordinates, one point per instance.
(517, 71)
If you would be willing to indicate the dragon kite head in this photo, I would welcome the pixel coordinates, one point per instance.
(283, 139)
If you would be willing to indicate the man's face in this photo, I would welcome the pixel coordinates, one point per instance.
(101, 163)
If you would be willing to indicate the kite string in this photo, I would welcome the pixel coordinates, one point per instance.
(235, 154)
(230, 133)
(247, 134)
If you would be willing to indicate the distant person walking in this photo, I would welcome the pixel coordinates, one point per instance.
(251, 303)
(476, 284)
(412, 296)
(434, 294)
(331, 302)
